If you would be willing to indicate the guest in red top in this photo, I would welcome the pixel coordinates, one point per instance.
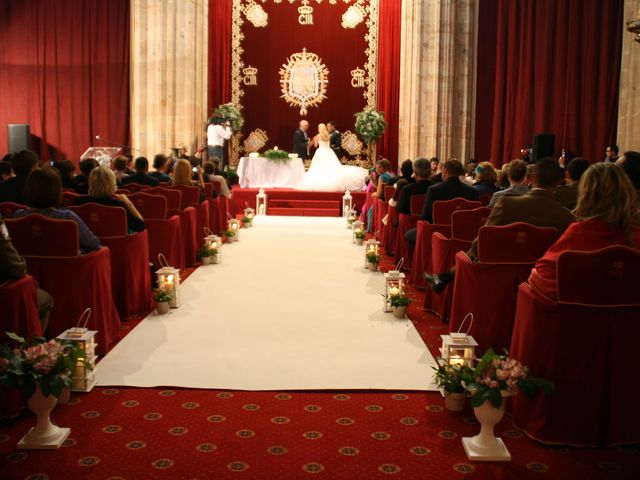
(607, 214)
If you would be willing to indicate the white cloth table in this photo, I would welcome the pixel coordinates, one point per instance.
(259, 172)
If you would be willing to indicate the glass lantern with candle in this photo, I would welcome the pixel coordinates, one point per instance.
(358, 226)
(351, 218)
(458, 349)
(233, 225)
(214, 243)
(168, 279)
(394, 285)
(261, 202)
(347, 204)
(249, 213)
(371, 246)
(83, 378)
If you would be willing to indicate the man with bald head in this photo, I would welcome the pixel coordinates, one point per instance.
(301, 140)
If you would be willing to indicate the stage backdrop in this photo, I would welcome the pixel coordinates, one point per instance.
(266, 34)
(64, 70)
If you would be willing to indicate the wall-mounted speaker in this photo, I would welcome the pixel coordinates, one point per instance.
(18, 136)
(544, 145)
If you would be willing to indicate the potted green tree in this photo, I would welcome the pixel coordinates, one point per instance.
(399, 303)
(451, 378)
(360, 236)
(162, 298)
(373, 260)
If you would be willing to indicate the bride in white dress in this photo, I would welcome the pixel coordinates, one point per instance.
(326, 173)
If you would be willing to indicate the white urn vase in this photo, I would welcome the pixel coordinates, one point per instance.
(486, 447)
(205, 260)
(45, 435)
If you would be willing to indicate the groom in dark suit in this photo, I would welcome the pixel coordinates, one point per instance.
(301, 140)
(335, 138)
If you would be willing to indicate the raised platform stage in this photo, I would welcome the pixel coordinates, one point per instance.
(300, 203)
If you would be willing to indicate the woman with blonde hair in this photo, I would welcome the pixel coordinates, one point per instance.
(486, 178)
(102, 190)
(183, 174)
(607, 214)
(326, 173)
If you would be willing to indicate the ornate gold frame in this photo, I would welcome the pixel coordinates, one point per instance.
(237, 64)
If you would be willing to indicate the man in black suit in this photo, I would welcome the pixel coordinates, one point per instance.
(21, 163)
(421, 170)
(141, 177)
(301, 140)
(335, 138)
(451, 187)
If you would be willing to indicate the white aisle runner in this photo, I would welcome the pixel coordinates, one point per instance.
(289, 308)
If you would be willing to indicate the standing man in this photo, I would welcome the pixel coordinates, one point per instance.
(335, 138)
(217, 133)
(301, 140)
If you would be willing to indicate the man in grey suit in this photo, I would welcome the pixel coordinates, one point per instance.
(301, 140)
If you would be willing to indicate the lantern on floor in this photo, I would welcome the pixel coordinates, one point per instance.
(351, 218)
(249, 213)
(347, 203)
(83, 378)
(358, 228)
(371, 246)
(213, 242)
(261, 202)
(168, 279)
(459, 348)
(233, 225)
(393, 285)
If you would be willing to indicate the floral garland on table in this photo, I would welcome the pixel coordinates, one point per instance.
(49, 364)
(230, 112)
(370, 125)
(277, 156)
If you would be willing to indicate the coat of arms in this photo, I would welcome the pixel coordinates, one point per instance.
(303, 80)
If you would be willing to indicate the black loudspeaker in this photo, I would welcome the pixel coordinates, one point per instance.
(18, 137)
(544, 145)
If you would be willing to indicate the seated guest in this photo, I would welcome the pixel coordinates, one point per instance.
(119, 166)
(486, 179)
(81, 180)
(630, 163)
(182, 174)
(5, 171)
(567, 194)
(141, 177)
(128, 170)
(223, 186)
(385, 174)
(607, 214)
(13, 267)
(43, 195)
(516, 171)
(538, 207)
(215, 161)
(65, 169)
(406, 171)
(21, 163)
(470, 171)
(611, 154)
(102, 190)
(503, 177)
(160, 162)
(436, 174)
(422, 170)
(451, 187)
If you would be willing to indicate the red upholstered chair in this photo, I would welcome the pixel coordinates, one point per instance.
(488, 288)
(19, 307)
(191, 198)
(75, 282)
(131, 284)
(217, 207)
(69, 197)
(464, 229)
(403, 249)
(7, 209)
(416, 202)
(164, 233)
(485, 199)
(589, 336)
(188, 220)
(135, 187)
(443, 209)
(391, 231)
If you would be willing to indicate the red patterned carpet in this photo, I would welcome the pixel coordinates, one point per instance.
(209, 434)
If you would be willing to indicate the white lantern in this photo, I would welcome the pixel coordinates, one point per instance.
(261, 202)
(214, 242)
(83, 378)
(169, 281)
(233, 225)
(249, 213)
(357, 226)
(393, 286)
(371, 246)
(351, 218)
(459, 348)
(347, 204)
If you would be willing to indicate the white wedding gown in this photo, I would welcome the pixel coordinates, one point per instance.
(327, 174)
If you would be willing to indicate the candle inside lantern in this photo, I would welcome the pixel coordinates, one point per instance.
(168, 282)
(394, 291)
(456, 360)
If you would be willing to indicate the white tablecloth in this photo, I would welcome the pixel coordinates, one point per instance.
(258, 172)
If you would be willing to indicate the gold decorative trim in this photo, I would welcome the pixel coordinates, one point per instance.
(256, 14)
(255, 141)
(250, 76)
(303, 80)
(351, 143)
(354, 15)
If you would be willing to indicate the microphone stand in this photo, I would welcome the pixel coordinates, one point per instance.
(124, 147)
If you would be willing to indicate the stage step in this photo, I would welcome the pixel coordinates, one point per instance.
(304, 208)
(303, 212)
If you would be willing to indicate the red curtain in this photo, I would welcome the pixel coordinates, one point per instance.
(64, 70)
(547, 66)
(219, 53)
(389, 75)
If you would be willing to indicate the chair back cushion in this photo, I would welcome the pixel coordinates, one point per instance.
(416, 202)
(608, 277)
(388, 193)
(443, 209)
(173, 196)
(208, 189)
(135, 187)
(190, 195)
(69, 198)
(151, 207)
(103, 221)
(466, 223)
(7, 209)
(40, 236)
(514, 243)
